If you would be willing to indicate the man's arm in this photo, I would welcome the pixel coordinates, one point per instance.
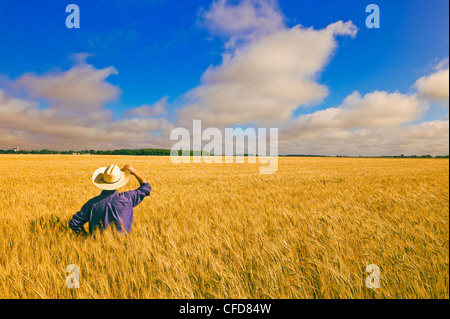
(78, 220)
(138, 176)
(136, 196)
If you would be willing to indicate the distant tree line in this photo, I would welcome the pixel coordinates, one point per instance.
(422, 156)
(147, 152)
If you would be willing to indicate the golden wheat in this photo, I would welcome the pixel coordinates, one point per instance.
(225, 231)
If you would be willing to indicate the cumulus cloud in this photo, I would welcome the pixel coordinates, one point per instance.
(243, 21)
(83, 87)
(269, 70)
(436, 85)
(75, 117)
(266, 80)
(157, 109)
(429, 137)
(373, 110)
(378, 123)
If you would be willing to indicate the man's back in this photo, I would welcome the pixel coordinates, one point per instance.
(110, 208)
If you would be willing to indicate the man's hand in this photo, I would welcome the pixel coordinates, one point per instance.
(130, 168)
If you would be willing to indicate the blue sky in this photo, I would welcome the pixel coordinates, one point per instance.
(163, 48)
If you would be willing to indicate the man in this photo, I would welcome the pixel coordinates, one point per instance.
(111, 207)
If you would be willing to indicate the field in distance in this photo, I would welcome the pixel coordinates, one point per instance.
(225, 231)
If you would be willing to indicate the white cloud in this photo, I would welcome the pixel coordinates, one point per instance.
(431, 137)
(442, 64)
(76, 116)
(25, 124)
(373, 110)
(243, 21)
(83, 87)
(80, 57)
(435, 86)
(157, 109)
(269, 70)
(373, 125)
(266, 80)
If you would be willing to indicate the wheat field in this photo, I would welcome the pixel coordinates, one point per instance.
(225, 231)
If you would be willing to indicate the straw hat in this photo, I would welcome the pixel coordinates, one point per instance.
(110, 178)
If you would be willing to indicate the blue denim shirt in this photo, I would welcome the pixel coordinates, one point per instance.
(110, 207)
